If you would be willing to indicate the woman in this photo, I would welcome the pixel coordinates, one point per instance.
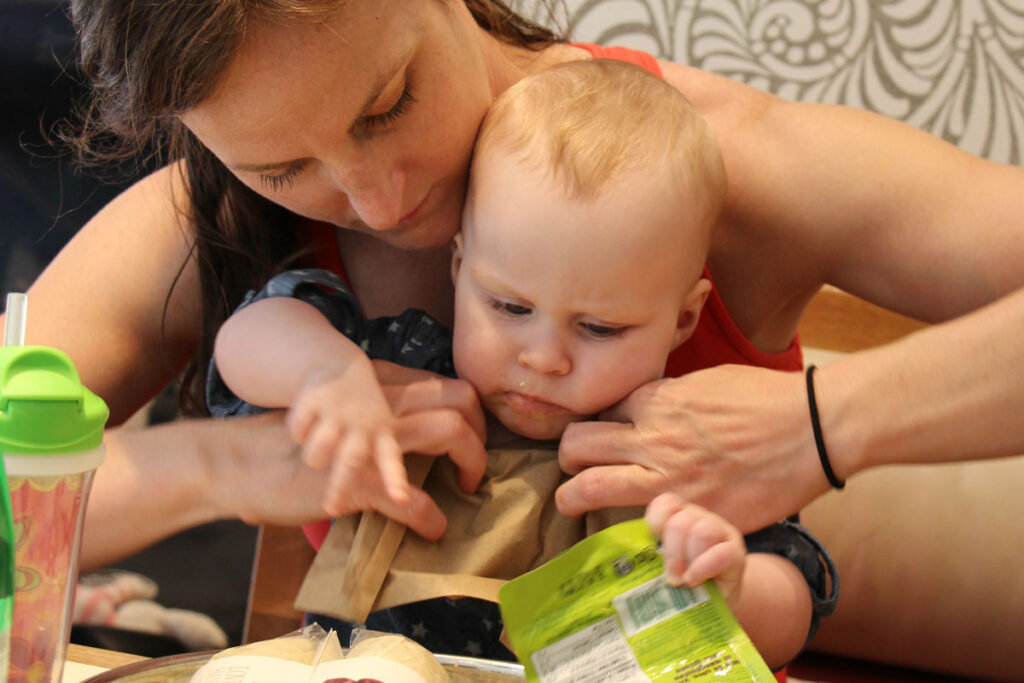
(362, 114)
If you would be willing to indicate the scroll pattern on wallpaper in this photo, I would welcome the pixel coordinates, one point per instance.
(952, 67)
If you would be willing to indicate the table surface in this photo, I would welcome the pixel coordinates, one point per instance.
(85, 662)
(94, 656)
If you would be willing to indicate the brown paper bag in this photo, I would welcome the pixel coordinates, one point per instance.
(508, 527)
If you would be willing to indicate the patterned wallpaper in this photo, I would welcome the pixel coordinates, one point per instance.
(952, 67)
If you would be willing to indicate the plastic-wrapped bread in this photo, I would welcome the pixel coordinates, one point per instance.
(284, 659)
(289, 659)
(402, 651)
(298, 648)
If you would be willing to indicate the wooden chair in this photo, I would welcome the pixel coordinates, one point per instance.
(283, 555)
(834, 321)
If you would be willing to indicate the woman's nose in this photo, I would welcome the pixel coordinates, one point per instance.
(374, 193)
(547, 355)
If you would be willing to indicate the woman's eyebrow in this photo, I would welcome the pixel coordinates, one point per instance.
(381, 83)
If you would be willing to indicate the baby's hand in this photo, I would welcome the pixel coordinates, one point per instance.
(351, 431)
(697, 544)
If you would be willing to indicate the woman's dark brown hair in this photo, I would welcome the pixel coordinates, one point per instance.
(147, 62)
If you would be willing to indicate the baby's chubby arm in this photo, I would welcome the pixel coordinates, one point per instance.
(766, 592)
(281, 352)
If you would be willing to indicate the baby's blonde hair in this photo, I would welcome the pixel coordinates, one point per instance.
(586, 122)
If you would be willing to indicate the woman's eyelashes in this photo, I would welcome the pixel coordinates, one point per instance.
(287, 178)
(375, 122)
(365, 126)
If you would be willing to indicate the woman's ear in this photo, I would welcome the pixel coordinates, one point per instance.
(456, 245)
(689, 312)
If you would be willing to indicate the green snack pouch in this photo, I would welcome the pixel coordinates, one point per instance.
(602, 611)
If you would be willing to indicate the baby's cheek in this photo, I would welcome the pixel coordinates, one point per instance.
(614, 380)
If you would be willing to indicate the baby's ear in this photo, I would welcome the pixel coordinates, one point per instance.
(689, 312)
(456, 245)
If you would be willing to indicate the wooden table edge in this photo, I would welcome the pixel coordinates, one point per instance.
(94, 656)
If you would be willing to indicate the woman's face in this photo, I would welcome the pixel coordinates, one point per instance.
(366, 122)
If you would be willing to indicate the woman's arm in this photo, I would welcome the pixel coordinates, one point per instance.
(946, 393)
(159, 481)
(102, 302)
(829, 194)
(102, 298)
(741, 441)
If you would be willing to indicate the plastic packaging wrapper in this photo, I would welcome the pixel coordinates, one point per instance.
(602, 612)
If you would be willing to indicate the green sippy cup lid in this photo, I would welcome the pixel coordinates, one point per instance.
(44, 408)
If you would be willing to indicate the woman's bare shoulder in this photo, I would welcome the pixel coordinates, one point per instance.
(724, 102)
(103, 297)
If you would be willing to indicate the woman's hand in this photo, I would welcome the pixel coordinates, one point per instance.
(433, 415)
(437, 415)
(734, 439)
(161, 480)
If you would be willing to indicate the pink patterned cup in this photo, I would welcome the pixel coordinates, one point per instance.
(48, 515)
(51, 437)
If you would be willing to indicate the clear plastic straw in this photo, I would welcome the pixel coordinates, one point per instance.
(14, 330)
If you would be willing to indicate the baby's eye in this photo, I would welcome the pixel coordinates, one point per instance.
(509, 308)
(602, 331)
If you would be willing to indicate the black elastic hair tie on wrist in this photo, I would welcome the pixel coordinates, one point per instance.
(819, 440)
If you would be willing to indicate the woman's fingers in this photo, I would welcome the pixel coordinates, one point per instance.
(388, 456)
(586, 444)
(350, 492)
(609, 486)
(421, 514)
(445, 431)
(409, 390)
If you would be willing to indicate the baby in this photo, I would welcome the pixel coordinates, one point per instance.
(578, 269)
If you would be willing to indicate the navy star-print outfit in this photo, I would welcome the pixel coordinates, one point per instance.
(467, 626)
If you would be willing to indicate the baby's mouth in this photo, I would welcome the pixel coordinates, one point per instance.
(533, 406)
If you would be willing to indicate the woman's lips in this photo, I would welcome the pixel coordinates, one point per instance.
(533, 406)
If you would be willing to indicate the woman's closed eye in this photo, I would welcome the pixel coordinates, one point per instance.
(373, 122)
(366, 125)
(287, 177)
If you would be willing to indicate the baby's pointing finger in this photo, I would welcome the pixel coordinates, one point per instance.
(391, 464)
